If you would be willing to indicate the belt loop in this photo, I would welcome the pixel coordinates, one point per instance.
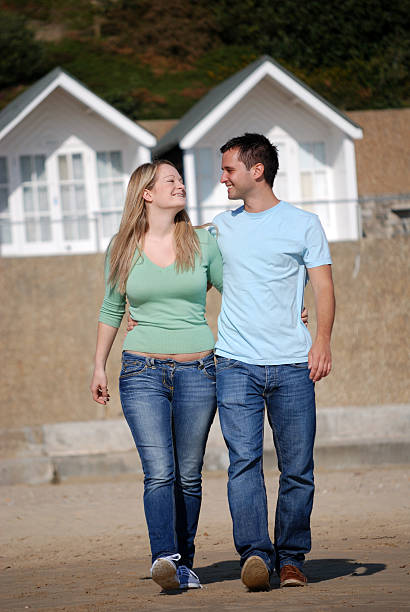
(151, 361)
(201, 364)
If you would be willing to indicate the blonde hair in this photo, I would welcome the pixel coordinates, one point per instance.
(134, 226)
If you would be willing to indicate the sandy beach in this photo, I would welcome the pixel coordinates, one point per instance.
(83, 546)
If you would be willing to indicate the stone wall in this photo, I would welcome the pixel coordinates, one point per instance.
(385, 216)
(48, 315)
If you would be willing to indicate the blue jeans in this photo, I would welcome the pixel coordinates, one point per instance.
(243, 390)
(169, 407)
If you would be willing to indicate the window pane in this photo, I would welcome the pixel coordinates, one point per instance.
(42, 198)
(80, 201)
(28, 199)
(5, 231)
(306, 185)
(63, 167)
(102, 169)
(118, 195)
(280, 186)
(107, 225)
(305, 156)
(116, 163)
(25, 168)
(30, 230)
(105, 195)
(83, 228)
(4, 200)
(78, 173)
(319, 153)
(40, 166)
(320, 185)
(68, 226)
(65, 198)
(3, 170)
(45, 229)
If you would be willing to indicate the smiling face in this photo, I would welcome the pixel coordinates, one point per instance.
(168, 191)
(238, 180)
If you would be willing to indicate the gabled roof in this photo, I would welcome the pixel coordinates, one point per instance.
(217, 102)
(32, 97)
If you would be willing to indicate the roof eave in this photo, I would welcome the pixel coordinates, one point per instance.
(87, 97)
(289, 83)
(253, 74)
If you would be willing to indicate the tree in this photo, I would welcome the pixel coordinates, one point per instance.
(21, 56)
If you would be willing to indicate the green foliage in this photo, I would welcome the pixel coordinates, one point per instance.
(21, 57)
(151, 59)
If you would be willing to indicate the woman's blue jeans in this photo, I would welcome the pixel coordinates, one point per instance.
(288, 393)
(169, 407)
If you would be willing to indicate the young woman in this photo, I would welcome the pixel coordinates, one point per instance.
(162, 266)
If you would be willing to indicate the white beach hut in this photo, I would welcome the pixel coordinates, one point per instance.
(315, 141)
(65, 158)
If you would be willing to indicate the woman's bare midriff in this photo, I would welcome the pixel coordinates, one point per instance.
(176, 357)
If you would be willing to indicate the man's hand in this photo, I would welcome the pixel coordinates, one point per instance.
(131, 323)
(319, 359)
(305, 316)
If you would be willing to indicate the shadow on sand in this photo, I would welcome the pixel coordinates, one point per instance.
(317, 570)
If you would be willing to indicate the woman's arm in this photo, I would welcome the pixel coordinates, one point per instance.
(105, 338)
(215, 272)
(111, 314)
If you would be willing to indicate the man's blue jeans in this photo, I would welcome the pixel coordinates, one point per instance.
(243, 390)
(169, 407)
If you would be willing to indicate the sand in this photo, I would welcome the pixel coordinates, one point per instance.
(83, 546)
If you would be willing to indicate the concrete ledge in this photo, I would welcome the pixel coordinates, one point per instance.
(346, 437)
(96, 465)
(28, 470)
(87, 438)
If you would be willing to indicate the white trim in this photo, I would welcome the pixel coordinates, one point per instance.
(91, 100)
(288, 83)
(190, 186)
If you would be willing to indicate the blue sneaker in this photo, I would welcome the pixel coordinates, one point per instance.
(164, 572)
(187, 578)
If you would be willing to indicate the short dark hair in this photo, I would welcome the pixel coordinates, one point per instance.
(255, 149)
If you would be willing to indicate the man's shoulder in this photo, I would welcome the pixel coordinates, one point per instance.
(298, 215)
(227, 214)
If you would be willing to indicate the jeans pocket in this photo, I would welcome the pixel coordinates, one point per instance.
(132, 368)
(223, 363)
(209, 371)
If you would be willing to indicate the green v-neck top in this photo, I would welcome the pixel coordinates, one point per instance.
(168, 305)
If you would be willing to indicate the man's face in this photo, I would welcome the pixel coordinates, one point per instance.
(237, 179)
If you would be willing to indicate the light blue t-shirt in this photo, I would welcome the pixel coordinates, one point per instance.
(265, 256)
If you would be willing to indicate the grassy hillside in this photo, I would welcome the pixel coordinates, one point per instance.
(152, 62)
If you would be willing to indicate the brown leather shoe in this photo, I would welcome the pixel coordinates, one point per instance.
(255, 574)
(291, 576)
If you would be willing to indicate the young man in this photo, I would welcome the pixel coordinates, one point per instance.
(265, 356)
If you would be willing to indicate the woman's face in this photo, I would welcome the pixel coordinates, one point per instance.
(168, 191)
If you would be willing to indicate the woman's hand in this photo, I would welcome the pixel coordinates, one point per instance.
(99, 388)
(131, 323)
(305, 316)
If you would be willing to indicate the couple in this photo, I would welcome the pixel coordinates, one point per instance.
(264, 357)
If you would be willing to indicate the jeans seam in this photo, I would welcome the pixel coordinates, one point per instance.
(133, 373)
(278, 451)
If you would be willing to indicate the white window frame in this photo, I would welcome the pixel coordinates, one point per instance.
(281, 182)
(5, 221)
(317, 168)
(110, 216)
(75, 220)
(37, 221)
